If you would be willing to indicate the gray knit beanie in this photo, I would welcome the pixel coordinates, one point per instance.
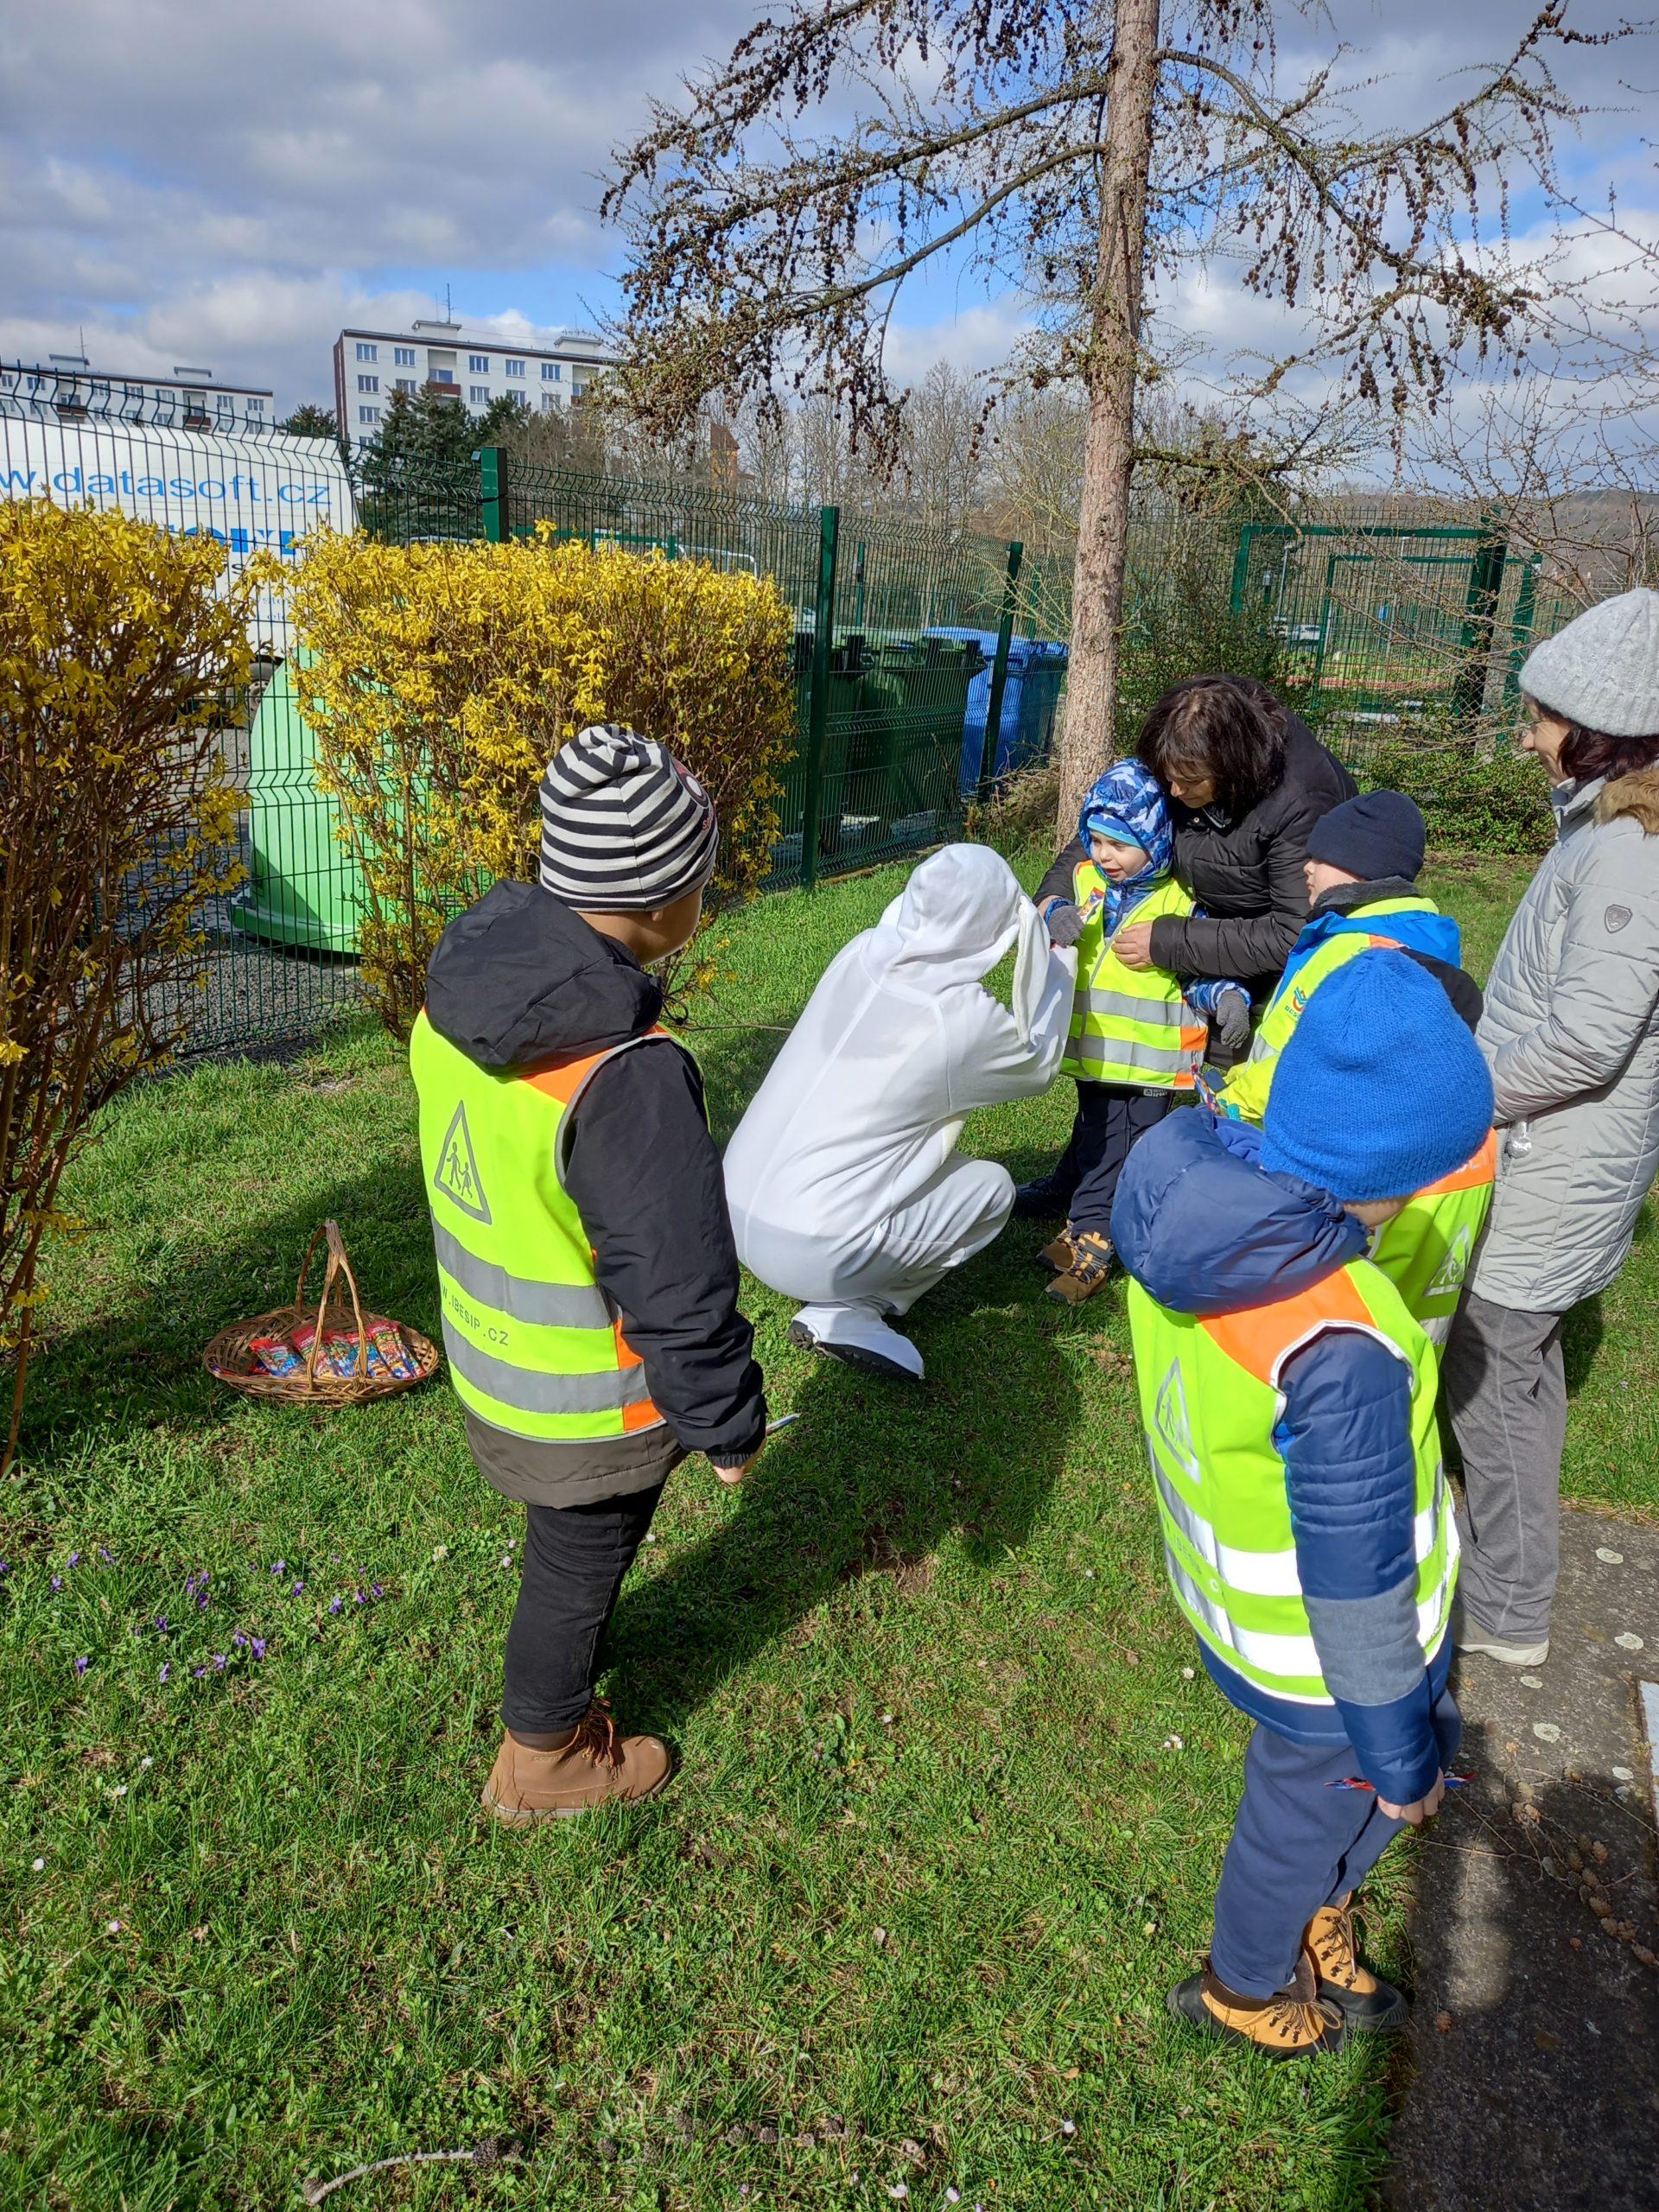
(625, 827)
(1602, 671)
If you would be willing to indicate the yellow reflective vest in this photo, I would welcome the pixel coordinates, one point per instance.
(1130, 1025)
(1210, 1404)
(535, 1346)
(1427, 1250)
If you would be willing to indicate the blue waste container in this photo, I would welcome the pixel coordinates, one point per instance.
(1036, 671)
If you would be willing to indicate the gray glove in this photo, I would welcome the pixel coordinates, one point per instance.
(1230, 1028)
(1066, 924)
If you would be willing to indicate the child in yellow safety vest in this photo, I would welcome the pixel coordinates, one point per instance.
(1288, 1397)
(587, 1275)
(1362, 862)
(1138, 1035)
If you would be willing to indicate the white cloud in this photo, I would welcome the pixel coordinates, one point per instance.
(230, 184)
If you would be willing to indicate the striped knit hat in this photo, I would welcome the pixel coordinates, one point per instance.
(625, 827)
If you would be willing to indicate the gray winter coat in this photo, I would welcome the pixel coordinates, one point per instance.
(1572, 1032)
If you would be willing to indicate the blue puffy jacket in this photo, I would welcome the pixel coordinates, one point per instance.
(1204, 1229)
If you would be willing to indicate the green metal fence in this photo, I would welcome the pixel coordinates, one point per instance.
(907, 688)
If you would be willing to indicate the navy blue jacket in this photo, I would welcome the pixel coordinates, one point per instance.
(1204, 1229)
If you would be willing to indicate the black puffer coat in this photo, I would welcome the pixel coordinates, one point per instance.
(1246, 873)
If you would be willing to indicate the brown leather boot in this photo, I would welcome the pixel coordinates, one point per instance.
(1293, 2023)
(1091, 1262)
(593, 1766)
(1058, 1256)
(1330, 1944)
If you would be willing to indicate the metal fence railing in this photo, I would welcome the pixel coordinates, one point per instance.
(926, 665)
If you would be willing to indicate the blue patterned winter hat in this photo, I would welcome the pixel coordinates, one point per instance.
(1127, 803)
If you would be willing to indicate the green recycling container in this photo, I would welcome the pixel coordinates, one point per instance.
(304, 887)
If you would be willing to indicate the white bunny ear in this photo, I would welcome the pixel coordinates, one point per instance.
(1030, 969)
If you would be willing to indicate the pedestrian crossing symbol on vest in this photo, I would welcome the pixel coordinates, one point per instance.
(1174, 1424)
(457, 1174)
(1454, 1267)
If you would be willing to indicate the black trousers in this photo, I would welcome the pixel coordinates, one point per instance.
(1111, 1119)
(575, 1558)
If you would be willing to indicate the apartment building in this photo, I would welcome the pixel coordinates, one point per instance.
(191, 399)
(472, 369)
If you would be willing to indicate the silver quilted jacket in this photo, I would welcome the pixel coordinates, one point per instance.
(1571, 1030)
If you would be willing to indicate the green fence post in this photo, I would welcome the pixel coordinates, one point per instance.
(1000, 671)
(1242, 566)
(493, 491)
(817, 713)
(1480, 616)
(1525, 613)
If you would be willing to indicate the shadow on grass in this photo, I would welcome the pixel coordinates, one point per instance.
(873, 1479)
(1533, 2074)
(137, 1362)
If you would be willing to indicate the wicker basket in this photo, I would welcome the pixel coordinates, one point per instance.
(230, 1356)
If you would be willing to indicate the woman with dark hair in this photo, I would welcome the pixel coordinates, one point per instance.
(1571, 1031)
(1247, 780)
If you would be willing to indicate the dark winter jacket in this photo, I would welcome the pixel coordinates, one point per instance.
(1246, 873)
(1203, 1229)
(520, 980)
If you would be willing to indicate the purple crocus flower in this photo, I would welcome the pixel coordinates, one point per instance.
(258, 1646)
(374, 1589)
(220, 1662)
(166, 1671)
(238, 1639)
(81, 1665)
(74, 1559)
(106, 1555)
(281, 1568)
(198, 1672)
(357, 1598)
(298, 1586)
(334, 1604)
(57, 1584)
(161, 1623)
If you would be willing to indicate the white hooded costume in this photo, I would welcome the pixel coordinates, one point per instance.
(843, 1188)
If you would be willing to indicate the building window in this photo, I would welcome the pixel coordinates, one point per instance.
(255, 406)
(404, 356)
(368, 352)
(443, 375)
(550, 401)
(515, 368)
(368, 384)
(478, 363)
(368, 414)
(478, 394)
(552, 372)
(406, 383)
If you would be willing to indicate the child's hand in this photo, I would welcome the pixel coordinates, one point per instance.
(1132, 944)
(733, 1475)
(1066, 924)
(1231, 1026)
(1420, 1810)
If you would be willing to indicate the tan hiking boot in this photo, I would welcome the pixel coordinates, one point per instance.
(1091, 1262)
(1293, 2023)
(1058, 1256)
(593, 1766)
(1330, 1944)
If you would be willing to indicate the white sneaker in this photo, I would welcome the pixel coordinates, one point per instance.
(859, 1337)
(1507, 1655)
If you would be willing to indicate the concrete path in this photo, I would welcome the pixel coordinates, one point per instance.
(1535, 2056)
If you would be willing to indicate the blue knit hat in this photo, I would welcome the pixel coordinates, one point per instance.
(1381, 1087)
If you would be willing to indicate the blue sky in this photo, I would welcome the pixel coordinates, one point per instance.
(228, 186)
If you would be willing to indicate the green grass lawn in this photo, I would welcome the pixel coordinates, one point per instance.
(952, 1800)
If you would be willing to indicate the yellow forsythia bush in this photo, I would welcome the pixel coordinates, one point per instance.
(438, 681)
(120, 661)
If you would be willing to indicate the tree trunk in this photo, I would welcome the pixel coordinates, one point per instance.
(1087, 743)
